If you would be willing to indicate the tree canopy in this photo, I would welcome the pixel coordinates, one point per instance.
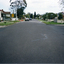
(34, 14)
(49, 16)
(18, 6)
(60, 16)
(62, 4)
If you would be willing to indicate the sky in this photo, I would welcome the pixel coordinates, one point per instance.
(38, 6)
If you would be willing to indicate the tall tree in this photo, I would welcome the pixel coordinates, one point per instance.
(20, 12)
(62, 4)
(44, 16)
(51, 15)
(18, 4)
(34, 14)
(31, 15)
(60, 16)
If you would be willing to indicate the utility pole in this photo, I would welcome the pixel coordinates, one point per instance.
(16, 9)
(14, 6)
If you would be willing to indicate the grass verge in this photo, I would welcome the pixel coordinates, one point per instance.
(52, 22)
(6, 23)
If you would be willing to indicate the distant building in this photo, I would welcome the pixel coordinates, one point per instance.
(5, 15)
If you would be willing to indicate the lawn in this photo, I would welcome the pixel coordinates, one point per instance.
(47, 22)
(6, 23)
(52, 22)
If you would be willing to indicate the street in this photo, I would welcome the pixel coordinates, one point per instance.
(32, 42)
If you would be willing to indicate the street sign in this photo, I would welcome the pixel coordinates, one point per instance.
(12, 15)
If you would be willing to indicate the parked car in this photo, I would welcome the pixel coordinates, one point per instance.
(30, 18)
(26, 19)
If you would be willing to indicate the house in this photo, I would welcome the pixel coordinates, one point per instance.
(4, 15)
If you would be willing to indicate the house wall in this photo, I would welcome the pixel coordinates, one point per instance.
(8, 17)
(5, 15)
(0, 16)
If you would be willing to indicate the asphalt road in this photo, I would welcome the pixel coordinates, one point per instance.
(32, 42)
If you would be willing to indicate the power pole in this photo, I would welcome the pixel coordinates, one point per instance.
(16, 9)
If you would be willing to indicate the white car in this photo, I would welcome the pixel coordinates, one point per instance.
(26, 19)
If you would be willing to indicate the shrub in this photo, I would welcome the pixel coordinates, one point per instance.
(5, 22)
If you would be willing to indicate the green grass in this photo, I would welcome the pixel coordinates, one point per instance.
(6, 23)
(15, 21)
(52, 22)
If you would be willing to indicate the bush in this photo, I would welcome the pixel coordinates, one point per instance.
(60, 16)
(5, 22)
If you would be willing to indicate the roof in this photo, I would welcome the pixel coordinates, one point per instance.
(5, 12)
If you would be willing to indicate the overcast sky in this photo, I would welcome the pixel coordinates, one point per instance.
(38, 6)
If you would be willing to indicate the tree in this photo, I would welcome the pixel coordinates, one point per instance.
(60, 16)
(62, 4)
(27, 15)
(34, 14)
(18, 5)
(38, 16)
(44, 16)
(51, 15)
(31, 15)
(20, 12)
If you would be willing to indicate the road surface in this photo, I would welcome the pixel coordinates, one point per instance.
(32, 42)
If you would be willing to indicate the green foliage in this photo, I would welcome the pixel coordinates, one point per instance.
(44, 16)
(31, 15)
(34, 14)
(27, 15)
(60, 16)
(14, 21)
(47, 22)
(49, 16)
(20, 12)
(20, 5)
(37, 16)
(6, 23)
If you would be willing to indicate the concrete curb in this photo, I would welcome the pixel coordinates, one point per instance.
(2, 26)
(59, 25)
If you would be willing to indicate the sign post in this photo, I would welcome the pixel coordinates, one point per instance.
(12, 15)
